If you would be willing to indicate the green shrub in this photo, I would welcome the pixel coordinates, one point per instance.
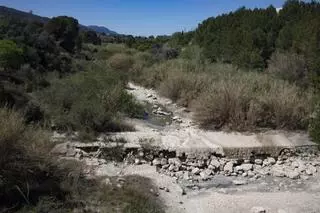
(92, 100)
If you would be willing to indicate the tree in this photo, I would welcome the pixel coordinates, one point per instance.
(11, 56)
(65, 29)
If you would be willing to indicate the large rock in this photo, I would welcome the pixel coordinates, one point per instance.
(292, 174)
(215, 163)
(196, 171)
(311, 170)
(246, 167)
(156, 162)
(277, 171)
(228, 168)
(258, 161)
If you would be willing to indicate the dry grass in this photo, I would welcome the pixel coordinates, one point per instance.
(32, 180)
(121, 61)
(225, 97)
(251, 101)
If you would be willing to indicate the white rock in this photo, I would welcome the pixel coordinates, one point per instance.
(292, 174)
(258, 209)
(196, 171)
(271, 160)
(215, 163)
(246, 167)
(258, 161)
(137, 161)
(164, 161)
(244, 174)
(228, 167)
(277, 171)
(281, 211)
(251, 174)
(156, 162)
(311, 170)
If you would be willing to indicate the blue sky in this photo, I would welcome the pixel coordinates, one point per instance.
(138, 17)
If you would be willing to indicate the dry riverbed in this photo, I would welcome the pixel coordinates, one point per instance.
(208, 182)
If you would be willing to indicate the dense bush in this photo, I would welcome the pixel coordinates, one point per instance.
(92, 100)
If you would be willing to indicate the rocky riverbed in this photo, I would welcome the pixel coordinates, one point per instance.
(200, 182)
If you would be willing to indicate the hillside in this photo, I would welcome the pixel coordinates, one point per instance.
(6, 11)
(101, 29)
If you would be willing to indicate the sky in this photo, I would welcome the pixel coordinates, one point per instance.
(138, 17)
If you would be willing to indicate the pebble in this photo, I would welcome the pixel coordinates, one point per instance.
(258, 209)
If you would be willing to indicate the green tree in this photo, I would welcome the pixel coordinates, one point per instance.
(11, 56)
(65, 29)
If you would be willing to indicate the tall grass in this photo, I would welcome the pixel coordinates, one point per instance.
(224, 97)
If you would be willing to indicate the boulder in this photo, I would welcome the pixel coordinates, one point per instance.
(228, 168)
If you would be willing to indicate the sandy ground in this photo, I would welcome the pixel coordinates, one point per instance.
(225, 199)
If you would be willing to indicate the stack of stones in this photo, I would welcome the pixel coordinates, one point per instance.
(192, 168)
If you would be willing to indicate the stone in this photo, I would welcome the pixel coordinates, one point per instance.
(271, 160)
(228, 168)
(292, 174)
(164, 161)
(244, 174)
(240, 182)
(251, 173)
(246, 167)
(137, 161)
(186, 175)
(171, 167)
(258, 209)
(156, 162)
(196, 171)
(295, 164)
(175, 161)
(215, 163)
(107, 181)
(281, 211)
(258, 161)
(205, 175)
(277, 171)
(311, 170)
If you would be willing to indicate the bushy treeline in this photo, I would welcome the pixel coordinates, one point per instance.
(249, 37)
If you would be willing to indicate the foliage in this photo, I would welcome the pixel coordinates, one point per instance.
(289, 66)
(65, 29)
(91, 37)
(10, 55)
(224, 97)
(121, 61)
(98, 97)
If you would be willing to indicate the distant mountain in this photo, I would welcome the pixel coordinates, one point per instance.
(6, 11)
(101, 29)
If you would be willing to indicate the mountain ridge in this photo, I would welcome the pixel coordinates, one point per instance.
(5, 11)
